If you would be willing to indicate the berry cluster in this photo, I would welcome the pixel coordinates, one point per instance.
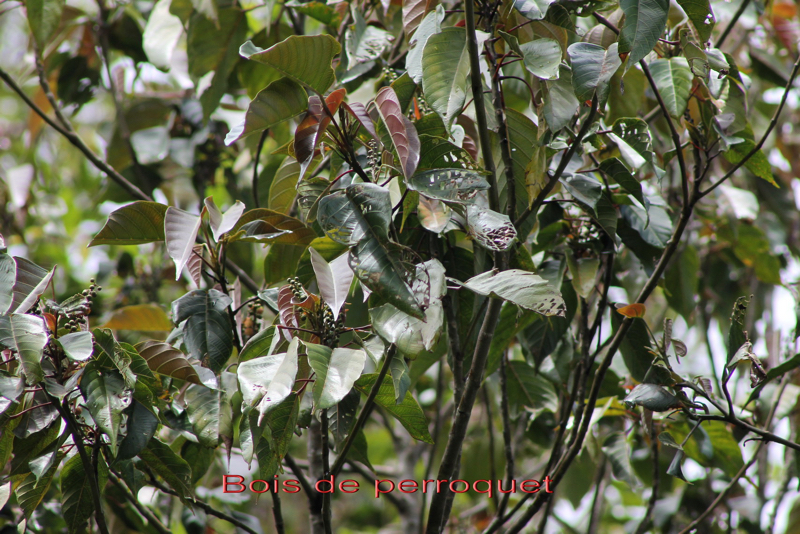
(75, 316)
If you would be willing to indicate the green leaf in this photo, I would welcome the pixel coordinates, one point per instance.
(737, 336)
(445, 66)
(209, 412)
(142, 425)
(583, 272)
(560, 103)
(30, 490)
(667, 439)
(618, 451)
(430, 25)
(616, 170)
(727, 453)
(8, 275)
(180, 231)
(533, 9)
(401, 130)
(211, 47)
(222, 223)
(168, 465)
(529, 389)
(635, 347)
(342, 417)
(401, 376)
(365, 42)
(681, 281)
(541, 57)
(653, 397)
(673, 79)
(27, 335)
(281, 100)
(263, 343)
(411, 334)
(77, 346)
(758, 163)
(653, 226)
(135, 224)
(141, 317)
(592, 69)
(674, 468)
(44, 16)
(452, 185)
(111, 355)
(701, 15)
(585, 190)
(645, 21)
(262, 225)
(167, 360)
(407, 412)
(106, 397)
(266, 381)
(29, 284)
(77, 502)
(305, 59)
(337, 370)
(522, 288)
(318, 11)
(281, 422)
(284, 186)
(208, 333)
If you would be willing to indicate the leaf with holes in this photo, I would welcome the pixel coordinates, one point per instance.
(404, 135)
(451, 185)
(180, 230)
(207, 333)
(525, 289)
(492, 230)
(305, 59)
(27, 336)
(167, 360)
(361, 210)
(281, 100)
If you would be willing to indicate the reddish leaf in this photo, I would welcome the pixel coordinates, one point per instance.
(402, 131)
(311, 129)
(357, 110)
(632, 310)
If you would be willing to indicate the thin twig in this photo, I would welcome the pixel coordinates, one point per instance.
(651, 505)
(144, 510)
(732, 23)
(255, 166)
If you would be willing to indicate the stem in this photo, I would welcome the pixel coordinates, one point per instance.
(326, 497)
(255, 166)
(597, 502)
(732, 23)
(492, 467)
(277, 513)
(144, 510)
(362, 417)
(508, 446)
(654, 495)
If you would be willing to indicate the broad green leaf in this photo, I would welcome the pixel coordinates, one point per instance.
(727, 453)
(452, 185)
(222, 223)
(365, 42)
(681, 281)
(111, 355)
(617, 171)
(211, 48)
(180, 231)
(30, 491)
(411, 334)
(401, 130)
(673, 79)
(653, 397)
(560, 104)
(633, 139)
(541, 57)
(667, 439)
(533, 9)
(281, 422)
(407, 412)
(161, 35)
(77, 502)
(522, 288)
(511, 322)
(701, 15)
(337, 370)
(167, 360)
(592, 69)
(635, 347)
(266, 381)
(333, 279)
(653, 226)
(304, 58)
(134, 224)
(168, 465)
(492, 230)
(142, 425)
(44, 16)
(263, 343)
(106, 397)
(208, 332)
(438, 153)
(284, 186)
(758, 163)
(445, 66)
(29, 284)
(674, 468)
(262, 225)
(618, 451)
(360, 211)
(77, 346)
(434, 215)
(141, 317)
(8, 275)
(585, 190)
(210, 414)
(584, 273)
(430, 25)
(320, 11)
(342, 417)
(27, 335)
(401, 376)
(207, 8)
(529, 389)
(523, 136)
(645, 21)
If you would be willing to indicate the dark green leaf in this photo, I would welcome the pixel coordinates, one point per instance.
(645, 21)
(407, 412)
(8, 272)
(169, 466)
(142, 425)
(342, 417)
(44, 16)
(673, 79)
(134, 224)
(560, 104)
(532, 9)
(635, 347)
(207, 333)
(281, 422)
(592, 69)
(106, 397)
(529, 389)
(617, 171)
(77, 503)
(209, 412)
(27, 335)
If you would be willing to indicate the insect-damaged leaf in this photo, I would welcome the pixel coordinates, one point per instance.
(492, 230)
(525, 289)
(451, 185)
